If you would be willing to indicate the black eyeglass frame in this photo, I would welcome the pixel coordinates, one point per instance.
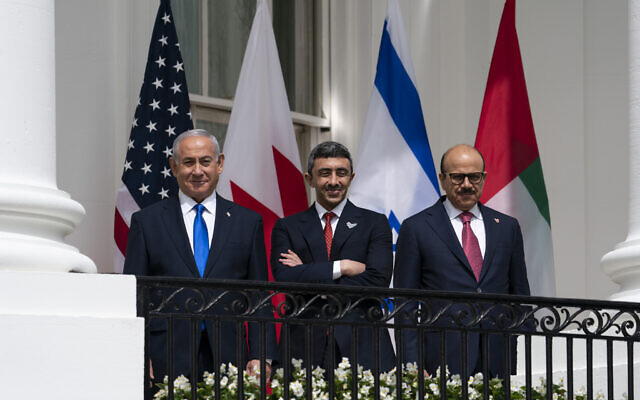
(457, 178)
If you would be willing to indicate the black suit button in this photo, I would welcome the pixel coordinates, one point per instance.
(479, 290)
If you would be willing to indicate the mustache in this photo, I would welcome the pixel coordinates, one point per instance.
(333, 187)
(466, 191)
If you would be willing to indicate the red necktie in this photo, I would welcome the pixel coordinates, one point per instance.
(470, 244)
(328, 232)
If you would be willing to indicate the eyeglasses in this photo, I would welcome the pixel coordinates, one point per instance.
(458, 178)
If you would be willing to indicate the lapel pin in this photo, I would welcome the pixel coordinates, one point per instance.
(228, 214)
(497, 220)
(351, 225)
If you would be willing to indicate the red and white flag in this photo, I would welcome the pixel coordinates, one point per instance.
(262, 165)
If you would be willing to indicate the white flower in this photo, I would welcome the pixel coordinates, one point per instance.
(367, 377)
(411, 367)
(478, 376)
(454, 380)
(296, 363)
(434, 388)
(341, 374)
(384, 391)
(296, 388)
(581, 391)
(364, 389)
(182, 383)
(232, 369)
(208, 378)
(318, 372)
(344, 364)
(555, 396)
(600, 395)
(625, 396)
(224, 381)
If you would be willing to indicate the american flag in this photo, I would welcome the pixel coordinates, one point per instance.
(163, 112)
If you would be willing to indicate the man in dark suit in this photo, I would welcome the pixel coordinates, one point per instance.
(304, 248)
(199, 234)
(460, 245)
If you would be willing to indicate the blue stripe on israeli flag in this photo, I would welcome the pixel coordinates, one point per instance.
(394, 168)
(402, 100)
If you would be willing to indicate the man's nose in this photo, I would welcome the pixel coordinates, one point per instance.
(197, 168)
(333, 179)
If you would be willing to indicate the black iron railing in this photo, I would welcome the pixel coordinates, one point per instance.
(458, 325)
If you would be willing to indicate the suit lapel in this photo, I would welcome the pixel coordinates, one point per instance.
(224, 222)
(174, 222)
(347, 224)
(490, 232)
(439, 221)
(311, 229)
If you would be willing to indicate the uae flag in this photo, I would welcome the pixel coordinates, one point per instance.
(506, 138)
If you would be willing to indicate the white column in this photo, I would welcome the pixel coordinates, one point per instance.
(34, 215)
(623, 263)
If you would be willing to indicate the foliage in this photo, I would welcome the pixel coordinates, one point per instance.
(366, 385)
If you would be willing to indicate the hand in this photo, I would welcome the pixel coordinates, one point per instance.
(150, 374)
(253, 368)
(290, 259)
(351, 268)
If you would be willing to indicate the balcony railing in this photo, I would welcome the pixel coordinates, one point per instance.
(457, 325)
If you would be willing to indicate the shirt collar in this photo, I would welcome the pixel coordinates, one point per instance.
(187, 203)
(453, 212)
(337, 210)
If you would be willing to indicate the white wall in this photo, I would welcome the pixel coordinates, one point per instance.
(575, 62)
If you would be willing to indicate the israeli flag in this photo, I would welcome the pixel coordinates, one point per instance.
(394, 169)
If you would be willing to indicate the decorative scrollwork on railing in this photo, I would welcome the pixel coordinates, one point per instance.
(438, 312)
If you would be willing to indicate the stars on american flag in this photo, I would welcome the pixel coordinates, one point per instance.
(157, 83)
(160, 62)
(162, 113)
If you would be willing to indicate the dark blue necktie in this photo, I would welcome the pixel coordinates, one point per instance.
(200, 239)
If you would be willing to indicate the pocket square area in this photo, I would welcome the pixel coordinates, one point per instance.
(351, 225)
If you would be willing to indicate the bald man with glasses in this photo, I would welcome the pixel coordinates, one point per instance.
(460, 245)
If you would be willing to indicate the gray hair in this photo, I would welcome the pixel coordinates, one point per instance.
(194, 132)
(328, 150)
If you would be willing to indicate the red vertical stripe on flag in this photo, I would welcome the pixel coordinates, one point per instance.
(120, 232)
(291, 184)
(505, 133)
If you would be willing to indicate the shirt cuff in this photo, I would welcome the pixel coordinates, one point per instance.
(337, 273)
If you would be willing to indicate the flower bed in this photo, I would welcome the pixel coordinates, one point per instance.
(343, 385)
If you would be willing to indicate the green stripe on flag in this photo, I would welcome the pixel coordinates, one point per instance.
(534, 182)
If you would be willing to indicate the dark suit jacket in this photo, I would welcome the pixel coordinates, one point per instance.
(429, 256)
(158, 245)
(367, 241)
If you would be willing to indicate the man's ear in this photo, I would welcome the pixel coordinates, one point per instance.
(173, 165)
(220, 162)
(308, 178)
(441, 178)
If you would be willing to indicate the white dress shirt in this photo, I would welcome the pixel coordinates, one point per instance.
(337, 210)
(477, 224)
(189, 214)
